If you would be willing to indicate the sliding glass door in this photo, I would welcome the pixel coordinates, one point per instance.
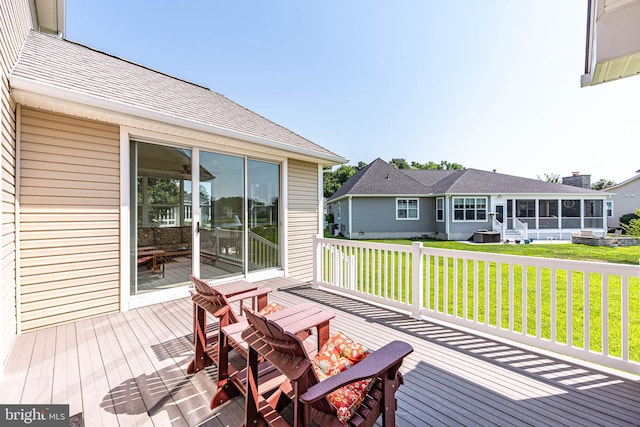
(222, 216)
(161, 217)
(237, 206)
(263, 186)
(239, 215)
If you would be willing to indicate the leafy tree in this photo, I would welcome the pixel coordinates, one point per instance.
(161, 195)
(399, 163)
(550, 177)
(445, 165)
(632, 228)
(332, 180)
(602, 183)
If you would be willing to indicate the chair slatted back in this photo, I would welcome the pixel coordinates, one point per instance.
(285, 351)
(219, 306)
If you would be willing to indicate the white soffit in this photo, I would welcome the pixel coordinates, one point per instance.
(617, 68)
(614, 41)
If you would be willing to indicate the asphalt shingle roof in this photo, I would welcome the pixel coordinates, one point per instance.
(67, 65)
(379, 177)
(475, 181)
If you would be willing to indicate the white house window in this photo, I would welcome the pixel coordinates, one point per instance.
(610, 209)
(440, 209)
(407, 209)
(339, 210)
(469, 208)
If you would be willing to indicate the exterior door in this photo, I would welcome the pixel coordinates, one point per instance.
(161, 224)
(239, 226)
(222, 215)
(500, 213)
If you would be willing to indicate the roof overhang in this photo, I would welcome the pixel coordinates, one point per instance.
(613, 41)
(543, 196)
(36, 94)
(370, 196)
(49, 16)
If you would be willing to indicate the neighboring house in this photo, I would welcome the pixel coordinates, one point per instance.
(613, 41)
(100, 157)
(381, 201)
(624, 198)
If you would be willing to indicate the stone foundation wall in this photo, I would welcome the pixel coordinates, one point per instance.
(605, 241)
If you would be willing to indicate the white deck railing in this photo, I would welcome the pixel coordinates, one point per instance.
(262, 252)
(521, 227)
(582, 309)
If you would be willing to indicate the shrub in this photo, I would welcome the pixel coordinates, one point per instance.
(632, 228)
(626, 218)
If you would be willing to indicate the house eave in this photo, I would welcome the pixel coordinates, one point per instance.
(41, 95)
(394, 195)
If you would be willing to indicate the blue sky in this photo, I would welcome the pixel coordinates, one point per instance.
(489, 84)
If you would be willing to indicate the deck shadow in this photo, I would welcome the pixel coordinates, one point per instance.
(550, 370)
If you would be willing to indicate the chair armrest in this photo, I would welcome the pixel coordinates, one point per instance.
(374, 365)
(249, 294)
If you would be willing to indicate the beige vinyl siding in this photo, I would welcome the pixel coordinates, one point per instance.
(69, 221)
(302, 218)
(15, 22)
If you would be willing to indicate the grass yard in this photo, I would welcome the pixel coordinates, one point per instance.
(388, 274)
(619, 255)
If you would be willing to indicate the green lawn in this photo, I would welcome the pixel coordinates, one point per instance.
(620, 255)
(382, 270)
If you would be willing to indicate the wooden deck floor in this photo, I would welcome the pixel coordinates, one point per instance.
(130, 369)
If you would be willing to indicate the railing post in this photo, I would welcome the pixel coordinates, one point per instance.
(352, 272)
(416, 279)
(317, 261)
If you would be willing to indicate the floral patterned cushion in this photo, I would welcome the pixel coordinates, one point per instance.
(336, 355)
(271, 308)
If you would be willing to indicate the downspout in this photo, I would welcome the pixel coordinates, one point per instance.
(587, 78)
(350, 216)
(589, 38)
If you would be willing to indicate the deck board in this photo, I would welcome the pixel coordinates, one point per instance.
(130, 369)
(66, 378)
(93, 379)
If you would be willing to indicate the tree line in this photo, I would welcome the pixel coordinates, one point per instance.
(333, 179)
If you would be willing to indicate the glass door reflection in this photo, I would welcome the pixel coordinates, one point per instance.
(161, 226)
(222, 207)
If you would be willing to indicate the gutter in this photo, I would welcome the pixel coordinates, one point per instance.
(345, 196)
(21, 86)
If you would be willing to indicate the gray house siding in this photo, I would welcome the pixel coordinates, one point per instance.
(626, 199)
(340, 210)
(463, 230)
(375, 218)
